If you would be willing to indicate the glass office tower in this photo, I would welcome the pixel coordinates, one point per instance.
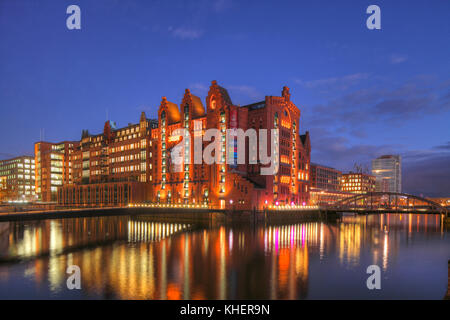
(388, 172)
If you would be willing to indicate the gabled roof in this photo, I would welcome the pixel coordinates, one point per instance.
(220, 93)
(196, 106)
(305, 138)
(225, 95)
(173, 113)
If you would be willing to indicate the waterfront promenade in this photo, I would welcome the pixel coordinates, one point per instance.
(193, 214)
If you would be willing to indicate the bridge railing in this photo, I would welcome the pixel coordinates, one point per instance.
(387, 201)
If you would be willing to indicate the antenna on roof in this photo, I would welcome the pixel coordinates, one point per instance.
(107, 115)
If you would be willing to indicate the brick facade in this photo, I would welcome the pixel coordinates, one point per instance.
(142, 154)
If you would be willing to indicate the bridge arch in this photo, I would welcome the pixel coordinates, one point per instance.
(370, 196)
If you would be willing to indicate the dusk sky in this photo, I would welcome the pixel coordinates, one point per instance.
(362, 93)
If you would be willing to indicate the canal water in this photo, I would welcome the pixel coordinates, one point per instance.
(133, 257)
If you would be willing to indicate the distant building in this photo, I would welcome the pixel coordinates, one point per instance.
(358, 182)
(325, 178)
(3, 189)
(445, 202)
(388, 172)
(53, 167)
(17, 178)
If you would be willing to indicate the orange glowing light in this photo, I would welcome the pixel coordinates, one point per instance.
(286, 124)
(285, 159)
(174, 138)
(285, 179)
(173, 292)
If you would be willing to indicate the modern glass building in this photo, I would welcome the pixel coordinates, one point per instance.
(388, 172)
(17, 179)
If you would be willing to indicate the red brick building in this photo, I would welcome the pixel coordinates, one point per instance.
(53, 168)
(221, 185)
(137, 159)
(111, 168)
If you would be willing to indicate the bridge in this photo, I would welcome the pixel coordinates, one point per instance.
(378, 202)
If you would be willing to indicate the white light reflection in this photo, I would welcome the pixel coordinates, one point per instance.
(142, 231)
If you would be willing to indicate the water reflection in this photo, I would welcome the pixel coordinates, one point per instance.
(142, 231)
(133, 258)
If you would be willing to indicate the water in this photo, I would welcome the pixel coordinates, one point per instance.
(135, 258)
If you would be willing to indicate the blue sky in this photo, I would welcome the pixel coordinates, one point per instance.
(362, 93)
